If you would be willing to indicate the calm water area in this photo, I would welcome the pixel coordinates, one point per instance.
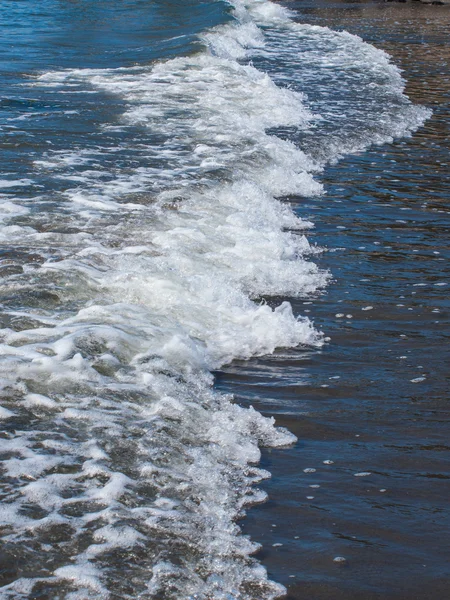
(375, 399)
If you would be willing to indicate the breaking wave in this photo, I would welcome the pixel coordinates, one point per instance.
(124, 470)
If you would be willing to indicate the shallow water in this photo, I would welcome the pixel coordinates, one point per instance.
(375, 398)
(145, 248)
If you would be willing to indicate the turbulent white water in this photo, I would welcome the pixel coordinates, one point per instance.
(124, 471)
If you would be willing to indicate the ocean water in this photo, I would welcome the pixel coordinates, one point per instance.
(374, 399)
(151, 156)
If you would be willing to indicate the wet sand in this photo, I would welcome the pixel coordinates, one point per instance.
(374, 400)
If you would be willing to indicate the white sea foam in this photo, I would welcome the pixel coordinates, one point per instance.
(118, 449)
(8, 183)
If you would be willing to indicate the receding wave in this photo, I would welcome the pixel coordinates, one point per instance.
(124, 470)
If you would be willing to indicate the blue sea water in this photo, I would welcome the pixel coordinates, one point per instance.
(43, 36)
(149, 153)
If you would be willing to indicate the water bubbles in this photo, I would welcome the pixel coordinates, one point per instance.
(362, 474)
(417, 379)
(309, 470)
(367, 308)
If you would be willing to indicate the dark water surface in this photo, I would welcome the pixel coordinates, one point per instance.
(375, 399)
